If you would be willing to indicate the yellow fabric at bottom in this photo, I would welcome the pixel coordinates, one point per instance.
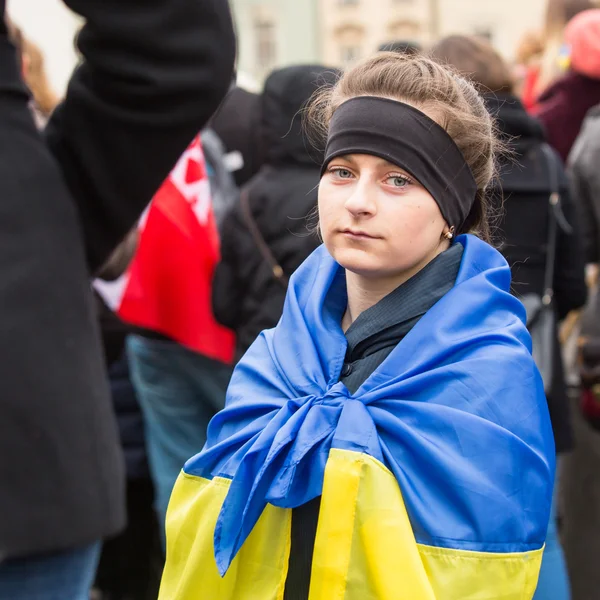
(257, 573)
(365, 548)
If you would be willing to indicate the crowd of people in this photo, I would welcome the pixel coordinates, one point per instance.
(306, 341)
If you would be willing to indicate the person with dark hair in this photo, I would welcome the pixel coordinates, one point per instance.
(390, 437)
(152, 75)
(526, 184)
(247, 295)
(409, 47)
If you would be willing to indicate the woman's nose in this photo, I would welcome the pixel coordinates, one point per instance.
(362, 200)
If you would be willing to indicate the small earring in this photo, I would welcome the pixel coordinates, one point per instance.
(449, 234)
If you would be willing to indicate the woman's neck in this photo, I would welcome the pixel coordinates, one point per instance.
(365, 292)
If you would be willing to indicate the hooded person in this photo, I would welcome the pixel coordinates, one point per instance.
(564, 105)
(389, 438)
(247, 296)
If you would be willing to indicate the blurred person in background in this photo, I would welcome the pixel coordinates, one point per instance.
(265, 238)
(131, 563)
(180, 357)
(581, 526)
(152, 75)
(409, 47)
(237, 123)
(545, 53)
(526, 65)
(563, 106)
(223, 190)
(526, 185)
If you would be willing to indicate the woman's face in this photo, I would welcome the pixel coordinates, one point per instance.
(376, 220)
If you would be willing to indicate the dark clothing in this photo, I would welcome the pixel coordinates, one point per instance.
(131, 564)
(371, 339)
(237, 123)
(585, 177)
(378, 330)
(129, 419)
(153, 73)
(246, 296)
(562, 108)
(584, 165)
(523, 234)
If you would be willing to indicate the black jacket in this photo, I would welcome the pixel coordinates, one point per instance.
(246, 296)
(584, 164)
(523, 232)
(153, 74)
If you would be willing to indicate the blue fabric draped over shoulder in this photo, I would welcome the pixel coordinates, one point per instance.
(456, 412)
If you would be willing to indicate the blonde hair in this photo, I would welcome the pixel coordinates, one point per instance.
(444, 95)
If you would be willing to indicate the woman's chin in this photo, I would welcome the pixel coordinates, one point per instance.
(359, 262)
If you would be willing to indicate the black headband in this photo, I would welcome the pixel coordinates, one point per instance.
(408, 138)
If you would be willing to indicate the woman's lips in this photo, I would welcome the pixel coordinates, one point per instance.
(356, 234)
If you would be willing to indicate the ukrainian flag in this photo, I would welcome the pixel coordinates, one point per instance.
(436, 475)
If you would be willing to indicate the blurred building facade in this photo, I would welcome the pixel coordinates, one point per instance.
(503, 22)
(275, 33)
(52, 26)
(352, 29)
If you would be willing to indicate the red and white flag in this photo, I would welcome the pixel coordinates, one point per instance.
(167, 287)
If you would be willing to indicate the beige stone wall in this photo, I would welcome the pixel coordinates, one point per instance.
(505, 20)
(294, 34)
(365, 24)
(52, 27)
(354, 28)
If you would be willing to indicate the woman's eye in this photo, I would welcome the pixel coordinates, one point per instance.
(342, 173)
(399, 181)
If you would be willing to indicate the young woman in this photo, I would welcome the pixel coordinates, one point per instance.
(390, 438)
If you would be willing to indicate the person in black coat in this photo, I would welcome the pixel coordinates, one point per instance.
(247, 297)
(152, 75)
(526, 185)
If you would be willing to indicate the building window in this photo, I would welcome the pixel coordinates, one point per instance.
(266, 50)
(409, 30)
(349, 54)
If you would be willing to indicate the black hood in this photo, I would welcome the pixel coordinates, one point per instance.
(286, 93)
(524, 170)
(518, 127)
